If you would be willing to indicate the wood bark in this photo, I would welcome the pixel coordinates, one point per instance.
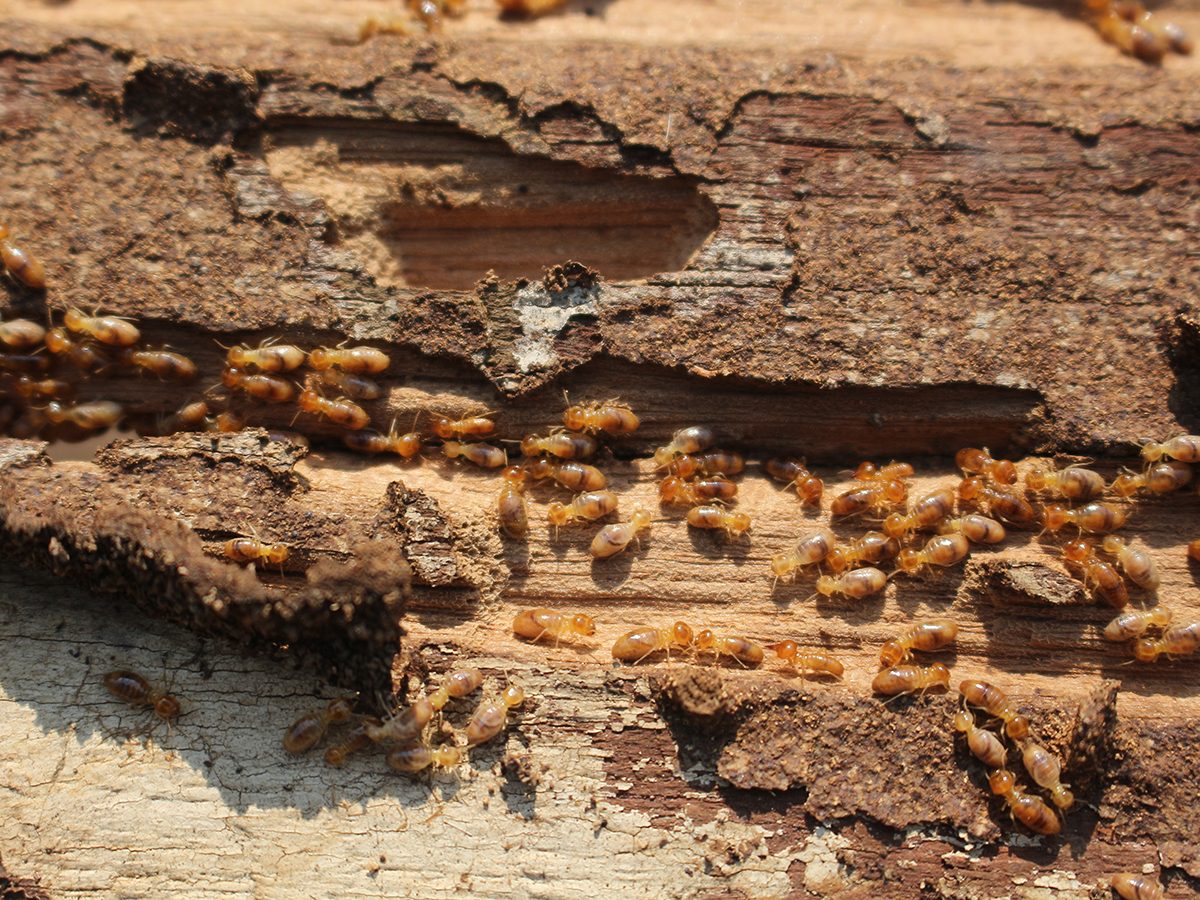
(869, 229)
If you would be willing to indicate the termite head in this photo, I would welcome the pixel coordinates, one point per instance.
(890, 654)
(1061, 797)
(640, 519)
(583, 624)
(894, 525)
(574, 418)
(963, 721)
(1113, 544)
(681, 634)
(1002, 782)
(167, 707)
(1054, 516)
(1077, 551)
(705, 639)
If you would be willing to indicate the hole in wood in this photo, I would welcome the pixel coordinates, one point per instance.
(436, 207)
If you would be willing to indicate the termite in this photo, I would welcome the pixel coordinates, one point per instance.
(634, 646)
(411, 760)
(612, 539)
(610, 416)
(483, 455)
(808, 551)
(359, 360)
(1031, 811)
(1184, 448)
(132, 688)
(563, 444)
(941, 550)
(795, 473)
(356, 387)
(685, 441)
(717, 518)
(405, 726)
(740, 649)
(538, 624)
(1133, 623)
(164, 363)
(674, 489)
(856, 584)
(1097, 517)
(341, 411)
(983, 744)
(271, 388)
(306, 732)
(1004, 502)
(975, 528)
(713, 462)
(93, 416)
(112, 330)
(995, 703)
(587, 507)
(906, 679)
(21, 334)
(975, 461)
(1162, 477)
(457, 684)
(355, 740)
(454, 429)
(924, 512)
(1046, 770)
(1138, 565)
(1135, 886)
(877, 496)
(20, 264)
(252, 550)
(1071, 483)
(266, 357)
(490, 716)
(926, 636)
(806, 663)
(1177, 640)
(870, 548)
(511, 509)
(868, 471)
(573, 475)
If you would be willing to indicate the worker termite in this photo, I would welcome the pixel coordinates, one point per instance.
(940, 550)
(356, 387)
(20, 264)
(1134, 31)
(742, 650)
(365, 440)
(1072, 483)
(1097, 517)
(404, 727)
(872, 547)
(856, 584)
(983, 744)
(483, 455)
(163, 363)
(717, 518)
(1161, 477)
(1134, 886)
(795, 474)
(28, 363)
(411, 760)
(907, 679)
(975, 461)
(40, 388)
(1046, 770)
(808, 551)
(926, 636)
(536, 624)
(574, 476)
(995, 703)
(306, 732)
(1138, 565)
(609, 416)
(1177, 640)
(266, 357)
(341, 411)
(676, 490)
(359, 360)
(453, 429)
(634, 646)
(530, 9)
(1028, 809)
(490, 716)
(457, 684)
(271, 388)
(94, 416)
(21, 334)
(225, 422)
(132, 688)
(252, 550)
(511, 509)
(713, 462)
(924, 512)
(563, 444)
(1001, 501)
(587, 507)
(685, 441)
(806, 663)
(612, 539)
(1134, 623)
(83, 355)
(868, 471)
(1184, 448)
(355, 740)
(975, 528)
(877, 496)
(189, 417)
(112, 330)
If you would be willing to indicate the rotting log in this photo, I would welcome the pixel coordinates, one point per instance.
(908, 230)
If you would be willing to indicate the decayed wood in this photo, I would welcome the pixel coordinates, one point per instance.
(973, 231)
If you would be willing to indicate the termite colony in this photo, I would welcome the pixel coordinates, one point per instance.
(416, 737)
(429, 16)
